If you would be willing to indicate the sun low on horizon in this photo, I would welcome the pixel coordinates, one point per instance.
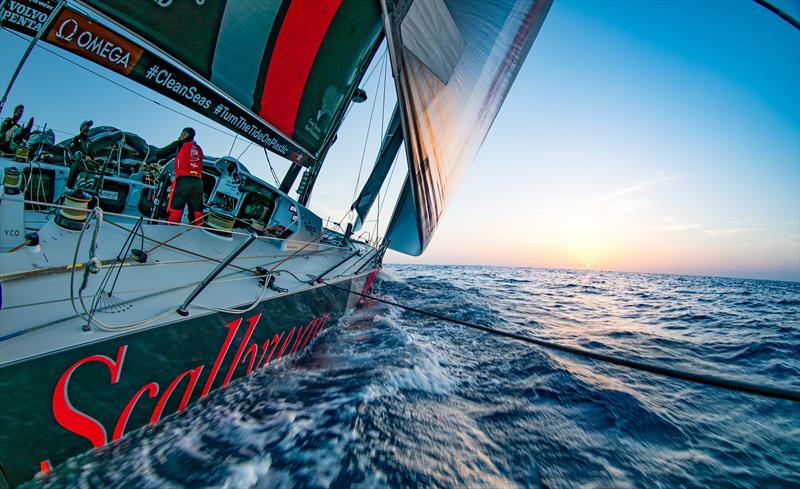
(641, 137)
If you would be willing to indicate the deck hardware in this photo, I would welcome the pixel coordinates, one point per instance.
(182, 310)
(140, 256)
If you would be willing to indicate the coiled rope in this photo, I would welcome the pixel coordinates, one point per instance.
(696, 377)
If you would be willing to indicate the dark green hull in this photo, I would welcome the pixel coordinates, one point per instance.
(65, 403)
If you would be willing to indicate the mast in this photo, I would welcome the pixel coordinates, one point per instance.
(291, 175)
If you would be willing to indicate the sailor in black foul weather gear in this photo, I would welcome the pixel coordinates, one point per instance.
(81, 149)
(187, 188)
(12, 134)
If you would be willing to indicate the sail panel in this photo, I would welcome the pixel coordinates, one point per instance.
(352, 38)
(267, 55)
(450, 96)
(240, 47)
(296, 48)
(404, 236)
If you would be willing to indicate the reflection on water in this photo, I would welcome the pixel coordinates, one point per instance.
(392, 399)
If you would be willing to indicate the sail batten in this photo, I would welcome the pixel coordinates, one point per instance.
(450, 91)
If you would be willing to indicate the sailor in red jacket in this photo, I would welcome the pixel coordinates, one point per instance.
(187, 188)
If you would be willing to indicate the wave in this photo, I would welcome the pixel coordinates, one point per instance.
(389, 398)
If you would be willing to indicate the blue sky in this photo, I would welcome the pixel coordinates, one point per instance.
(640, 135)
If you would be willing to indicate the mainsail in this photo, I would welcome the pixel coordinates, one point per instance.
(453, 62)
(279, 72)
(295, 63)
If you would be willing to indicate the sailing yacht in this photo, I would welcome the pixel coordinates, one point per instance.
(113, 318)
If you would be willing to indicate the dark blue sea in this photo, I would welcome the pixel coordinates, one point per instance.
(392, 399)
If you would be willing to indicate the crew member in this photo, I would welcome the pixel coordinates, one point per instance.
(11, 133)
(81, 149)
(187, 188)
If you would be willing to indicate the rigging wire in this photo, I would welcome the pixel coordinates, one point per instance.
(272, 170)
(245, 150)
(389, 181)
(235, 137)
(696, 377)
(366, 139)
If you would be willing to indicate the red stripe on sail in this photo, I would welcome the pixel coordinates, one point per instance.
(301, 34)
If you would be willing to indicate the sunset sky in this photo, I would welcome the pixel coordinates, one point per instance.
(639, 136)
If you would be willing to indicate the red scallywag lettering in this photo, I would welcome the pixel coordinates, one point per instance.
(193, 374)
(250, 354)
(285, 343)
(232, 326)
(319, 327)
(253, 322)
(275, 340)
(82, 424)
(302, 334)
(76, 421)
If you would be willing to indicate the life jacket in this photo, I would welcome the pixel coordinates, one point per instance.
(189, 162)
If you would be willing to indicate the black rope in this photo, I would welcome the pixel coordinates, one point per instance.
(700, 378)
(780, 13)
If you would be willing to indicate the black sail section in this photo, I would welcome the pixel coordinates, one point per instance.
(454, 61)
(291, 64)
(391, 143)
(183, 29)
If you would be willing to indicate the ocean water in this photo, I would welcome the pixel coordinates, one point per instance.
(392, 399)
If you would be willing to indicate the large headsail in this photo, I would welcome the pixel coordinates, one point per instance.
(454, 62)
(286, 70)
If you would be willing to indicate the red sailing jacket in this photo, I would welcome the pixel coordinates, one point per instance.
(189, 161)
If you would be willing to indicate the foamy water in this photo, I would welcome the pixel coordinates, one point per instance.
(389, 398)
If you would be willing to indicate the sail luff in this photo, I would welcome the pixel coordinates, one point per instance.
(404, 205)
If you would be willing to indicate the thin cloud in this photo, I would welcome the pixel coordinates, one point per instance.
(624, 205)
(672, 224)
(728, 231)
(640, 186)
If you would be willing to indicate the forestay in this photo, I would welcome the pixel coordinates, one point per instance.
(453, 62)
